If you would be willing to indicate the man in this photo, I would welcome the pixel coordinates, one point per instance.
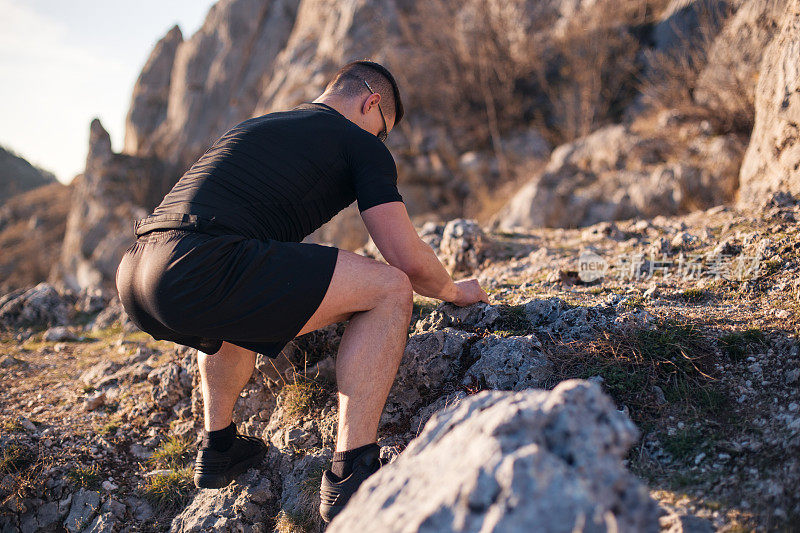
(219, 266)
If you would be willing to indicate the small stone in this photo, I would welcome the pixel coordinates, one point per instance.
(94, 401)
(658, 393)
(699, 458)
(59, 333)
(109, 486)
(27, 424)
(683, 239)
(140, 452)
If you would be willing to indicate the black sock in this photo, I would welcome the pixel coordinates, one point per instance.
(219, 440)
(342, 464)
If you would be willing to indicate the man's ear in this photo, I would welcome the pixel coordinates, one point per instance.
(373, 100)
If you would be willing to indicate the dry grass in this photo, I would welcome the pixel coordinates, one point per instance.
(170, 491)
(299, 398)
(306, 518)
(173, 453)
(678, 358)
(87, 477)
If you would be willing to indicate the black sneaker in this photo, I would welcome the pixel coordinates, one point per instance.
(334, 493)
(214, 470)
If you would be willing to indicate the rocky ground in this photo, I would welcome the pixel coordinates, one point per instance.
(695, 340)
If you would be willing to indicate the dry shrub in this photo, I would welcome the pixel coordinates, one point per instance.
(673, 77)
(485, 69)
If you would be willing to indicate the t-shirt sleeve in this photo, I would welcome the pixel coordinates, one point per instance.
(374, 172)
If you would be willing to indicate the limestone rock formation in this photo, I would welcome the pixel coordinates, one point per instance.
(614, 173)
(150, 94)
(217, 76)
(502, 461)
(225, 509)
(507, 363)
(108, 197)
(772, 160)
(430, 362)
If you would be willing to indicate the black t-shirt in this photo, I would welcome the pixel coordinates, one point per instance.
(284, 174)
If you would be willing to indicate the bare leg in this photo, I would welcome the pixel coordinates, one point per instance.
(223, 375)
(369, 355)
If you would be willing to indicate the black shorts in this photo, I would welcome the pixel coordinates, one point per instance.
(200, 289)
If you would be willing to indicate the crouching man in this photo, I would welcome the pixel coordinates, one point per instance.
(219, 266)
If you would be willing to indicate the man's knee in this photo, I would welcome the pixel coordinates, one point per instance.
(399, 288)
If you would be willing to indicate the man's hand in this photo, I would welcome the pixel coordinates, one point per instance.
(469, 292)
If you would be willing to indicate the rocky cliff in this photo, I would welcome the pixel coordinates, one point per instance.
(468, 146)
(17, 175)
(772, 161)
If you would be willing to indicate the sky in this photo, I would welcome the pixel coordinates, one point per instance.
(63, 63)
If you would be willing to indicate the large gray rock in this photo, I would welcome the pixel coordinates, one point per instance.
(218, 74)
(513, 462)
(508, 363)
(39, 306)
(241, 506)
(614, 173)
(772, 159)
(464, 245)
(85, 504)
(430, 361)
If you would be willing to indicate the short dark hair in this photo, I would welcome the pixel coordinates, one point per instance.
(348, 80)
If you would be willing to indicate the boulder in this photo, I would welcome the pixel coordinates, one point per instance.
(502, 461)
(85, 504)
(507, 363)
(228, 509)
(430, 361)
(614, 173)
(464, 245)
(39, 306)
(773, 157)
(216, 78)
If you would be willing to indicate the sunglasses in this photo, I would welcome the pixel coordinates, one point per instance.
(383, 133)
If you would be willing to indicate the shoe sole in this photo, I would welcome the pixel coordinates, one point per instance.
(208, 481)
(329, 513)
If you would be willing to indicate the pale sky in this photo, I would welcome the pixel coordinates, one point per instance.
(64, 62)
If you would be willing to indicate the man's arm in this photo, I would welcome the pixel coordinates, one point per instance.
(397, 240)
